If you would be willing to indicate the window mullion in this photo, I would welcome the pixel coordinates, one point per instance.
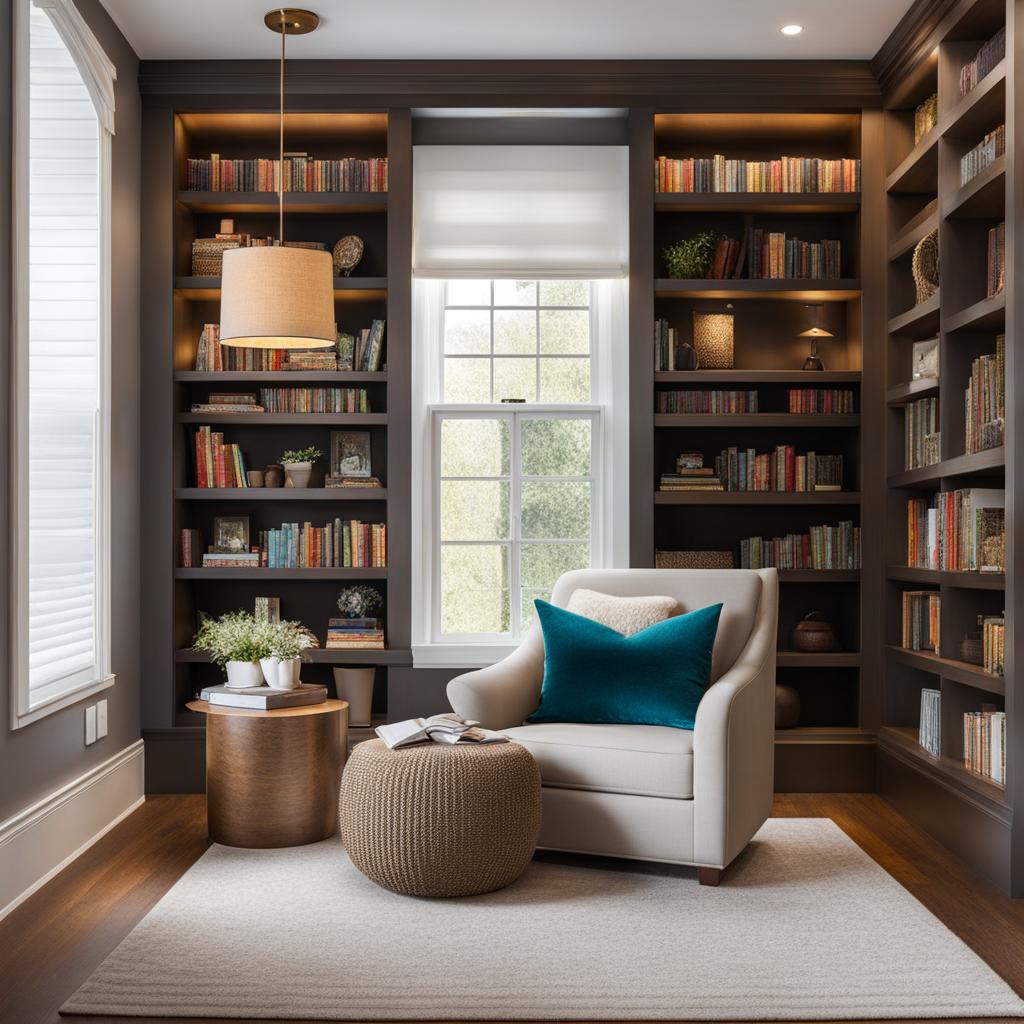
(515, 528)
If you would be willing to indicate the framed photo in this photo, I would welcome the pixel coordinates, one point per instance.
(350, 453)
(268, 609)
(925, 359)
(230, 535)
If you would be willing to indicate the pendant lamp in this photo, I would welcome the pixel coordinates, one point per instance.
(277, 296)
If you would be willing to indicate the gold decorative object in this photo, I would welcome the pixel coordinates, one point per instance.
(348, 251)
(926, 116)
(693, 560)
(713, 340)
(925, 267)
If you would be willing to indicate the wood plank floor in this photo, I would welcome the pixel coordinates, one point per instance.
(53, 941)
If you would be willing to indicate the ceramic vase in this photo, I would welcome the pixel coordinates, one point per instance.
(356, 686)
(281, 674)
(298, 473)
(273, 475)
(243, 674)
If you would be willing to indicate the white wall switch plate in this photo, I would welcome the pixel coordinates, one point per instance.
(101, 719)
(90, 724)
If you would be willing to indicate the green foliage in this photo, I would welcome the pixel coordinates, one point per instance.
(359, 600)
(289, 640)
(236, 636)
(308, 454)
(690, 257)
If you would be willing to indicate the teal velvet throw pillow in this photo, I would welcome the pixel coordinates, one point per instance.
(595, 674)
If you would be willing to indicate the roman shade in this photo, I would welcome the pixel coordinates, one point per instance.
(520, 212)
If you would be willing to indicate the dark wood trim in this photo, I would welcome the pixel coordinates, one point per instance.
(175, 759)
(709, 876)
(910, 42)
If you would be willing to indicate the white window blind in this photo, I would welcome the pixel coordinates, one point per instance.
(60, 374)
(520, 212)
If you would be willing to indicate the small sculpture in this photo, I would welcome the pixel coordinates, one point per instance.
(348, 251)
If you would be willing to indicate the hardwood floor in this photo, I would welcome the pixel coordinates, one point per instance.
(53, 941)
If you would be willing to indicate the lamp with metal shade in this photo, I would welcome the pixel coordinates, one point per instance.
(813, 361)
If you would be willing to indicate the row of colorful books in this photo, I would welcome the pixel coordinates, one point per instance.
(822, 547)
(782, 470)
(993, 643)
(921, 620)
(958, 531)
(820, 400)
(315, 400)
(711, 402)
(666, 339)
(995, 269)
(985, 400)
(342, 543)
(985, 743)
(990, 54)
(218, 464)
(983, 155)
(785, 174)
(774, 256)
(929, 733)
(301, 174)
(921, 433)
(355, 635)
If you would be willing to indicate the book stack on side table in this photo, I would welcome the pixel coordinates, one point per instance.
(263, 698)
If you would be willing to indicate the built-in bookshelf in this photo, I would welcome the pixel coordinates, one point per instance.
(303, 532)
(949, 508)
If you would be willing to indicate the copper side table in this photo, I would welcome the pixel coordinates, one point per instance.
(272, 777)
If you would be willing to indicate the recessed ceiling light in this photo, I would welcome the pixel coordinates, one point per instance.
(792, 30)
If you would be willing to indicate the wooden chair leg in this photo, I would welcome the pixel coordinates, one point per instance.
(709, 876)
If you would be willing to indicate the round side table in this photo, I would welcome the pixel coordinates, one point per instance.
(272, 777)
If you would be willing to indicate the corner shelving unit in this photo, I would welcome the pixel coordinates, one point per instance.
(969, 812)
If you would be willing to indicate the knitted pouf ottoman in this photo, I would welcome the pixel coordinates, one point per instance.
(440, 820)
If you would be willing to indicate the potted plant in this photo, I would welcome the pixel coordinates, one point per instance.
(298, 465)
(690, 257)
(355, 685)
(358, 601)
(287, 643)
(236, 642)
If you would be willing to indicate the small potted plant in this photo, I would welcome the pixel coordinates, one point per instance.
(287, 642)
(690, 257)
(355, 685)
(236, 642)
(358, 601)
(298, 465)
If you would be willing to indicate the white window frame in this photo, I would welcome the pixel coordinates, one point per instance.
(98, 75)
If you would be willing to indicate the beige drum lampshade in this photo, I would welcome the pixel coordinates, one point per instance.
(277, 297)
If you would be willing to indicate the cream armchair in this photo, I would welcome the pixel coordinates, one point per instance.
(653, 792)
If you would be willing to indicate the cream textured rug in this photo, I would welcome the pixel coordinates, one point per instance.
(805, 926)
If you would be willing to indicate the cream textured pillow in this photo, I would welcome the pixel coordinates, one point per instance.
(626, 615)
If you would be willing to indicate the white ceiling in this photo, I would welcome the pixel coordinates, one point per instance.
(628, 29)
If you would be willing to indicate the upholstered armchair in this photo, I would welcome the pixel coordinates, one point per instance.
(652, 792)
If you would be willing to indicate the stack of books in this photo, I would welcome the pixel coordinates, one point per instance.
(312, 359)
(921, 433)
(333, 480)
(364, 352)
(780, 470)
(355, 634)
(218, 464)
(921, 620)
(985, 400)
(990, 54)
(958, 531)
(665, 341)
(231, 560)
(983, 155)
(314, 400)
(930, 730)
(823, 547)
(820, 400)
(691, 475)
(263, 698)
(229, 402)
(345, 543)
(191, 548)
(995, 271)
(706, 402)
(993, 643)
(985, 743)
(786, 174)
(301, 174)
(773, 256)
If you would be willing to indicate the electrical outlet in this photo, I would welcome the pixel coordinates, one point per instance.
(101, 719)
(90, 725)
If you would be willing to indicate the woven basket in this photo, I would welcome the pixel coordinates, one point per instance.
(925, 267)
(208, 256)
(693, 560)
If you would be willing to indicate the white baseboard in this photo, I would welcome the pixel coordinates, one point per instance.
(43, 839)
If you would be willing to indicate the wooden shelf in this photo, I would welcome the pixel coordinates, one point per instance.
(990, 461)
(801, 289)
(757, 377)
(984, 196)
(819, 575)
(338, 377)
(981, 110)
(921, 321)
(937, 577)
(281, 493)
(352, 419)
(905, 740)
(354, 288)
(281, 574)
(756, 419)
(919, 170)
(756, 498)
(911, 391)
(824, 734)
(824, 659)
(758, 202)
(986, 315)
(926, 221)
(949, 668)
(294, 202)
(317, 656)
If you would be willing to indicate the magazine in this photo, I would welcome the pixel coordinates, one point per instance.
(448, 728)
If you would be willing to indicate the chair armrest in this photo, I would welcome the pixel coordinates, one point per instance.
(733, 743)
(501, 695)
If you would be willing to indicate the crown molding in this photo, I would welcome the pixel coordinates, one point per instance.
(912, 40)
(680, 85)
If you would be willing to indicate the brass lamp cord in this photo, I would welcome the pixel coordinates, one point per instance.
(280, 144)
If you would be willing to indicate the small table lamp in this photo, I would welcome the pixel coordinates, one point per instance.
(813, 361)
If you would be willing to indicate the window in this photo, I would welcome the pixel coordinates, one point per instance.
(60, 361)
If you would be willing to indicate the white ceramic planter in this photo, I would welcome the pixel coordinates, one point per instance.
(356, 686)
(281, 675)
(244, 674)
(298, 473)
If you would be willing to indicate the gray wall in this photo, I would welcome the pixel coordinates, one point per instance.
(43, 756)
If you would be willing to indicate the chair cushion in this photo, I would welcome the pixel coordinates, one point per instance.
(644, 760)
(626, 615)
(594, 674)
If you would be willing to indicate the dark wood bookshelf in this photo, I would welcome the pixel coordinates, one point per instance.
(207, 289)
(281, 493)
(799, 289)
(757, 377)
(283, 419)
(756, 419)
(923, 223)
(988, 314)
(824, 659)
(341, 573)
(984, 196)
(757, 202)
(912, 390)
(981, 110)
(918, 171)
(949, 668)
(960, 580)
(341, 378)
(920, 321)
(294, 202)
(756, 498)
(819, 575)
(985, 463)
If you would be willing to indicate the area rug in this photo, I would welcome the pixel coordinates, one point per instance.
(804, 927)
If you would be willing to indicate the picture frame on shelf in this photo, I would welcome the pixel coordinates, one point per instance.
(924, 359)
(230, 535)
(350, 453)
